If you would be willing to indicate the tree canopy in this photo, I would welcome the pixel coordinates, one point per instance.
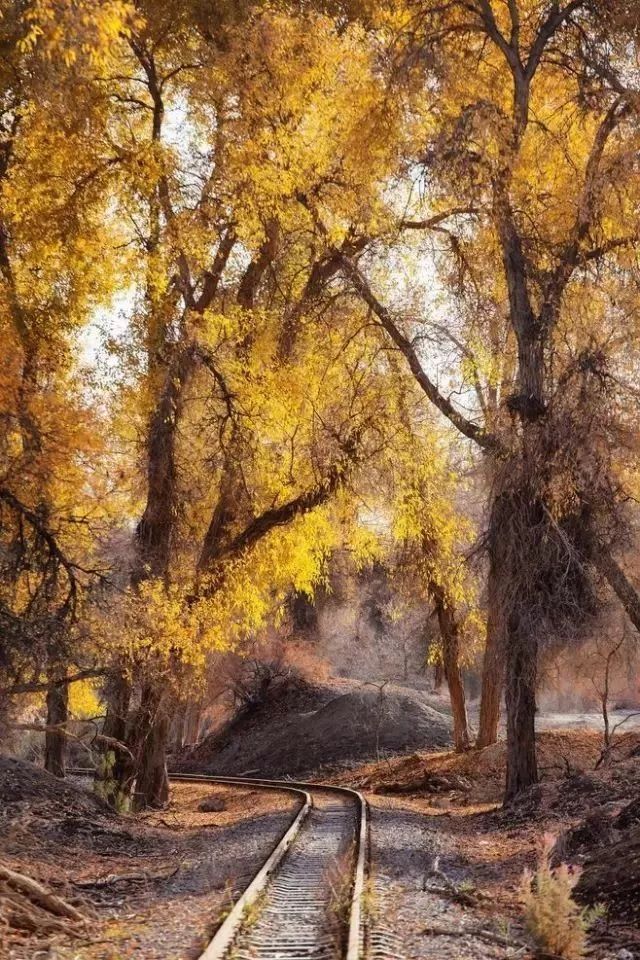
(269, 271)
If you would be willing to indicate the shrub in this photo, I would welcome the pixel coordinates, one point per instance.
(557, 924)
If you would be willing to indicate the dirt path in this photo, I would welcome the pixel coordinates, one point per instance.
(423, 882)
(448, 858)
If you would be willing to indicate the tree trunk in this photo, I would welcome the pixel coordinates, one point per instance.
(155, 530)
(438, 676)
(55, 747)
(192, 722)
(178, 726)
(450, 633)
(152, 734)
(154, 540)
(492, 673)
(619, 583)
(520, 695)
(116, 769)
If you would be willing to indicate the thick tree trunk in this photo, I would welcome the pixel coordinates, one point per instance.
(155, 529)
(55, 747)
(520, 569)
(152, 734)
(116, 768)
(520, 695)
(154, 539)
(492, 672)
(450, 633)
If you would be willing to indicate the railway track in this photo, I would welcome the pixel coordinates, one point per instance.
(307, 900)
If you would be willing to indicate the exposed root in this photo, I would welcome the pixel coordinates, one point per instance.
(19, 914)
(126, 878)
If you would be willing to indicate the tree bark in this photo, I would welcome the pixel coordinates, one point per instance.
(192, 723)
(619, 583)
(522, 666)
(152, 732)
(178, 726)
(116, 769)
(492, 672)
(450, 633)
(438, 676)
(154, 539)
(55, 749)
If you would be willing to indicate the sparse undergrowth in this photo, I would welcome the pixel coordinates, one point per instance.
(556, 923)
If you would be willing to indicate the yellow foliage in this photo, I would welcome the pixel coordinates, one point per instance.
(84, 701)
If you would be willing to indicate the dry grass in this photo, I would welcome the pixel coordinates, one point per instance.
(557, 925)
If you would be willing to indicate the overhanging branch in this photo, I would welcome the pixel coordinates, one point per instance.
(468, 428)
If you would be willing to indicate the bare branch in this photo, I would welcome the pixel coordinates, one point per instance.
(556, 17)
(469, 429)
(438, 218)
(35, 687)
(213, 276)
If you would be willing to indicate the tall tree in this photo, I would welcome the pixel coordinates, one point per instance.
(532, 155)
(53, 178)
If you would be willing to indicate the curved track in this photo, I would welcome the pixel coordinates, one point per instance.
(307, 899)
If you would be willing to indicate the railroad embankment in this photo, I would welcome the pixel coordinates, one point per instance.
(299, 728)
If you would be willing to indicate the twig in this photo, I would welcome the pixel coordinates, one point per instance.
(437, 931)
(125, 878)
(61, 729)
(463, 897)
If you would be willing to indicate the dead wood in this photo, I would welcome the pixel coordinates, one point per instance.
(64, 732)
(41, 896)
(463, 897)
(20, 914)
(112, 878)
(479, 932)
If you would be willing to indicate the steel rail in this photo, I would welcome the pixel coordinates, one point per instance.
(228, 931)
(356, 928)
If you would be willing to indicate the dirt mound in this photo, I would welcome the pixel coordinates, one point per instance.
(606, 845)
(612, 876)
(25, 785)
(566, 761)
(36, 813)
(306, 728)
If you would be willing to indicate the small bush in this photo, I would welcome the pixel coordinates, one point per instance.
(556, 923)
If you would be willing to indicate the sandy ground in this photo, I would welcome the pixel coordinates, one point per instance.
(447, 861)
(621, 719)
(158, 886)
(423, 885)
(425, 858)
